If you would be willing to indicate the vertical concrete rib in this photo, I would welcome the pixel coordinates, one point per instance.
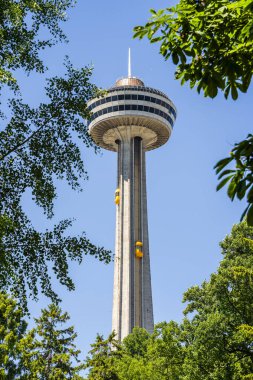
(148, 319)
(117, 288)
(126, 236)
(138, 236)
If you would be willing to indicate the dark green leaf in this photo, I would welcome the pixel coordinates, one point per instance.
(222, 163)
(175, 58)
(250, 194)
(223, 182)
(250, 216)
(232, 189)
(225, 172)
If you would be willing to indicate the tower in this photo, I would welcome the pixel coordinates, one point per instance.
(131, 119)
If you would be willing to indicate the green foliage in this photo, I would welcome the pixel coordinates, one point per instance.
(102, 358)
(38, 146)
(48, 350)
(218, 335)
(210, 42)
(21, 39)
(214, 340)
(166, 352)
(12, 331)
(135, 344)
(240, 179)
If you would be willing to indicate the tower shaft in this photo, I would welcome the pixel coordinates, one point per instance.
(132, 299)
(131, 120)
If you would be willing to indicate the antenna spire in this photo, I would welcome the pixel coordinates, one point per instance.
(129, 63)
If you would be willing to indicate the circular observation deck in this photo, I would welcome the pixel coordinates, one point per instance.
(131, 109)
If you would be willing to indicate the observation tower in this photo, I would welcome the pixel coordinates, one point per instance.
(131, 119)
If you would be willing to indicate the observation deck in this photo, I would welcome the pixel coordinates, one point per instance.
(131, 107)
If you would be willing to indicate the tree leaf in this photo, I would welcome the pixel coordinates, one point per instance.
(232, 189)
(175, 58)
(223, 182)
(225, 172)
(222, 163)
(234, 92)
(250, 216)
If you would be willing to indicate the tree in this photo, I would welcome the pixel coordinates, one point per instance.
(102, 358)
(166, 351)
(219, 336)
(39, 145)
(134, 363)
(240, 179)
(12, 331)
(211, 44)
(21, 37)
(215, 339)
(141, 356)
(49, 350)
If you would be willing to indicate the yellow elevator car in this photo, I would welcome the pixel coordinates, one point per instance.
(117, 196)
(138, 249)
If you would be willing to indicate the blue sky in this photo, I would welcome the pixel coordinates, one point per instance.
(187, 218)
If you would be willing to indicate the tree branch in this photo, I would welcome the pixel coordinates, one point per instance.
(20, 145)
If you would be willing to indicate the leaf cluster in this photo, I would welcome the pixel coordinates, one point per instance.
(46, 352)
(240, 179)
(210, 42)
(215, 339)
(38, 146)
(27, 27)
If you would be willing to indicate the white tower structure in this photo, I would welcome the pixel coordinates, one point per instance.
(131, 119)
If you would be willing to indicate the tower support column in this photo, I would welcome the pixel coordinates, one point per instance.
(132, 299)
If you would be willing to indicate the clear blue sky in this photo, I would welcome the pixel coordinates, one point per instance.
(187, 218)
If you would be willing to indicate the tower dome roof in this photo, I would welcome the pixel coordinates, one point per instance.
(129, 81)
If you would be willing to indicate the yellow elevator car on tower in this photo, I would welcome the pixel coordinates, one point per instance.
(117, 196)
(139, 249)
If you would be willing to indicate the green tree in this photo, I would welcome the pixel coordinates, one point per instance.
(134, 363)
(102, 358)
(166, 351)
(38, 146)
(141, 356)
(21, 39)
(211, 44)
(48, 350)
(219, 336)
(12, 331)
(215, 339)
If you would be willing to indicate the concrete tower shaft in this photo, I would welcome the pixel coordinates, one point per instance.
(131, 119)
(132, 299)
